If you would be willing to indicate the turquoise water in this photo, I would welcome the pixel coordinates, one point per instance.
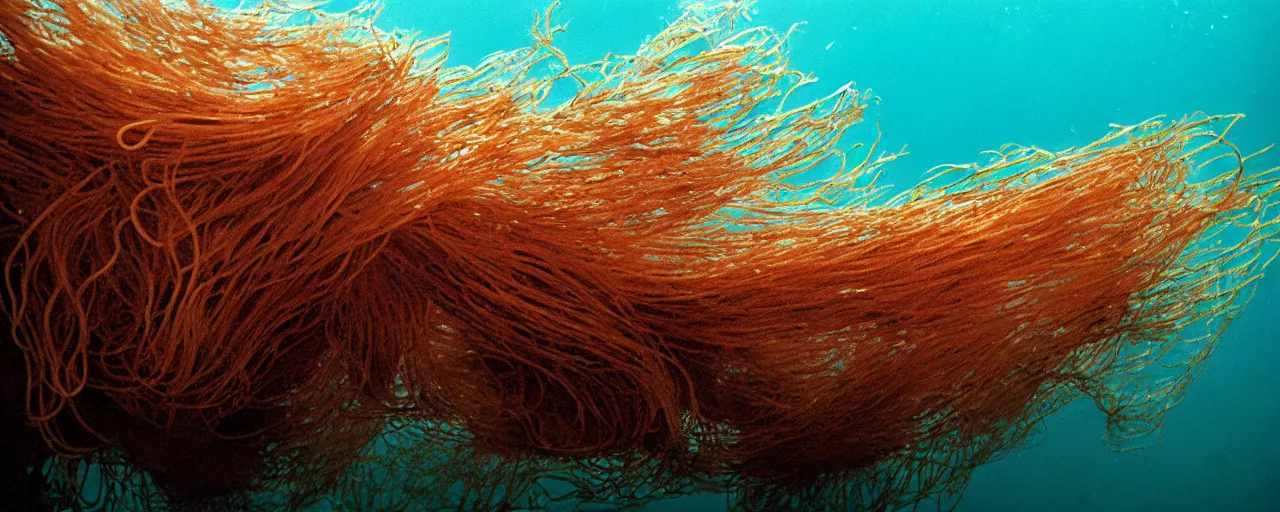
(958, 77)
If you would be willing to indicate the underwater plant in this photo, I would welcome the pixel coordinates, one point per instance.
(276, 257)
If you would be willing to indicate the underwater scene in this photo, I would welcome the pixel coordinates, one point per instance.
(769, 255)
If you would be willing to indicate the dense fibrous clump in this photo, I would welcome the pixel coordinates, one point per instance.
(274, 257)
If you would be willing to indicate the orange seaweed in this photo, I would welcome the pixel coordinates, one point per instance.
(305, 257)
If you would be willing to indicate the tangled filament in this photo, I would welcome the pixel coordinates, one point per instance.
(293, 251)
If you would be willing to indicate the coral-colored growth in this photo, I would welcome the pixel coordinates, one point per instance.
(287, 252)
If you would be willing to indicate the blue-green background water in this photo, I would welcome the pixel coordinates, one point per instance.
(960, 76)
